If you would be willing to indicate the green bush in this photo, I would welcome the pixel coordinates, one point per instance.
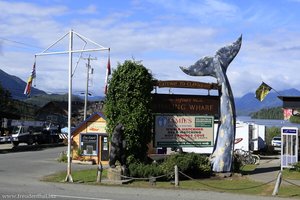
(191, 164)
(140, 170)
(296, 166)
(129, 102)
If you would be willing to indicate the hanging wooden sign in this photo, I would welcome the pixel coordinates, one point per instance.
(187, 104)
(186, 84)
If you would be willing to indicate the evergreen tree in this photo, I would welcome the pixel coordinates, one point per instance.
(128, 101)
(7, 107)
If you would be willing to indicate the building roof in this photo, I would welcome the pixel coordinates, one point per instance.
(99, 114)
(60, 107)
(292, 102)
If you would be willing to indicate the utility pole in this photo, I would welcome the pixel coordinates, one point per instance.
(89, 69)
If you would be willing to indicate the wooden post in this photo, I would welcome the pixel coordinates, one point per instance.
(99, 172)
(176, 176)
(277, 185)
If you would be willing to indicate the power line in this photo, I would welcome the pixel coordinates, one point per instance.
(22, 43)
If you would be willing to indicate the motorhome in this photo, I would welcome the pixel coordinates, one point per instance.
(31, 132)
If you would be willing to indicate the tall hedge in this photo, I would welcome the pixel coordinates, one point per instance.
(128, 101)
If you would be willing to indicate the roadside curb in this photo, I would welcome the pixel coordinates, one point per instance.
(29, 148)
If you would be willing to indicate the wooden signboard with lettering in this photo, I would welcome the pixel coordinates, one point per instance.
(186, 84)
(184, 131)
(187, 104)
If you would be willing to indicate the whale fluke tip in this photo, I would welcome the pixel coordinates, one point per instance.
(184, 69)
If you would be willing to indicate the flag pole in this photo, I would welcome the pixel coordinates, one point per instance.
(108, 72)
(35, 71)
(272, 88)
(70, 53)
(69, 176)
(276, 91)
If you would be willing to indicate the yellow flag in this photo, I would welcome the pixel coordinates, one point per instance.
(262, 91)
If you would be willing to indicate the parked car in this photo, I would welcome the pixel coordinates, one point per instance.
(276, 141)
(5, 139)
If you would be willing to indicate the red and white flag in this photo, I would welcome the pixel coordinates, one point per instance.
(32, 76)
(108, 72)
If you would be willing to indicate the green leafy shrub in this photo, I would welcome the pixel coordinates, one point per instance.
(140, 170)
(129, 102)
(191, 164)
(296, 166)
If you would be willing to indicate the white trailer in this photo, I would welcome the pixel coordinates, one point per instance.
(249, 137)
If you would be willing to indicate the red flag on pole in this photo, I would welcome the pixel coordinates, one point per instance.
(108, 72)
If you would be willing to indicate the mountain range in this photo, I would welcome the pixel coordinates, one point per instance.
(16, 86)
(244, 105)
(248, 103)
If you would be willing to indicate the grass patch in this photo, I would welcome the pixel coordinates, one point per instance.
(247, 169)
(236, 184)
(84, 176)
(289, 191)
(291, 174)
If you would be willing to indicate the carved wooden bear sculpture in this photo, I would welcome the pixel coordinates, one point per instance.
(118, 145)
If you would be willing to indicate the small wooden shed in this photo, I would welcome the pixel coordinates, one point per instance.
(90, 139)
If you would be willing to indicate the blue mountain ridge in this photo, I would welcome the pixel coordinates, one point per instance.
(16, 86)
(248, 103)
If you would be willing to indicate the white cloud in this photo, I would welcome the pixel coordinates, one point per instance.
(162, 45)
(199, 9)
(29, 10)
(90, 9)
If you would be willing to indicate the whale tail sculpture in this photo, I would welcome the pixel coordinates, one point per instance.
(216, 66)
(206, 66)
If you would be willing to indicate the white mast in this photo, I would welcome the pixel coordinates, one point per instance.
(70, 53)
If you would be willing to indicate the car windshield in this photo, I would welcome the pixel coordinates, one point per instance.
(16, 129)
(276, 138)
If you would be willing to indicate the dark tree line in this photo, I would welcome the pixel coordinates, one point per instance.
(295, 119)
(7, 105)
(268, 113)
(14, 109)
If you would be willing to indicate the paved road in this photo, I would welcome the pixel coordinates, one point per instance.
(20, 173)
(268, 169)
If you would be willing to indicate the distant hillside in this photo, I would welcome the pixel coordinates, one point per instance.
(244, 105)
(248, 103)
(16, 86)
(41, 100)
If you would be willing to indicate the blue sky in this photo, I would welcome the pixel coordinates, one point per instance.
(163, 34)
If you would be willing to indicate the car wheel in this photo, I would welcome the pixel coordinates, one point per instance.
(15, 144)
(30, 141)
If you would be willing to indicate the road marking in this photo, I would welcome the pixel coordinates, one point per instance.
(77, 197)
